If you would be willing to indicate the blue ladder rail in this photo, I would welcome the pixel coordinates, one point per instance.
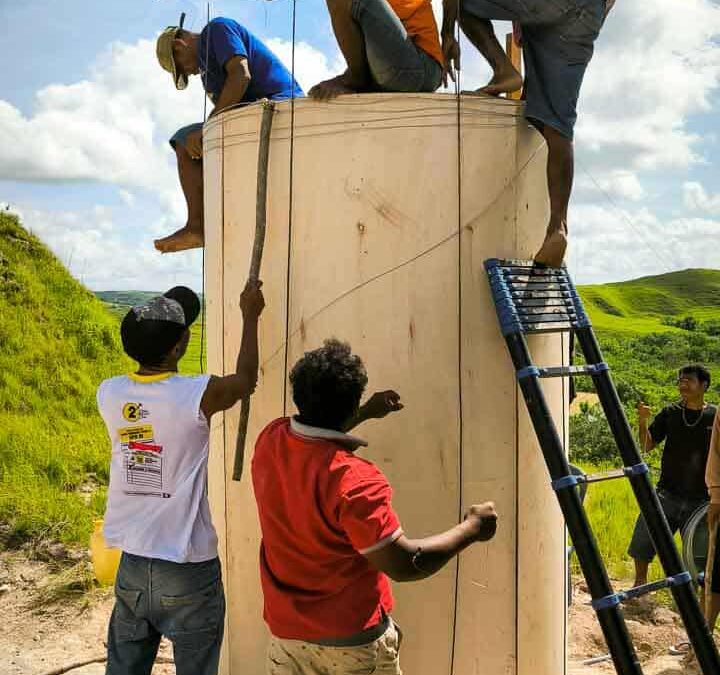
(530, 299)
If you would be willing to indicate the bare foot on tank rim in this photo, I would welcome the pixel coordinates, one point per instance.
(502, 83)
(552, 252)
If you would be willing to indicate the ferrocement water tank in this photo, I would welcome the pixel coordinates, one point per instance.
(381, 210)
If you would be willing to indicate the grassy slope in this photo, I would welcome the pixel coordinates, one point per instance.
(57, 342)
(639, 306)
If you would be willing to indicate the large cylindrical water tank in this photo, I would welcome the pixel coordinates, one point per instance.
(381, 210)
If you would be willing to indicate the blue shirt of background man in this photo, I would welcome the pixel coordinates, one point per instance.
(224, 38)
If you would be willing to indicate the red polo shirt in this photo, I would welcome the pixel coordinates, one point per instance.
(321, 508)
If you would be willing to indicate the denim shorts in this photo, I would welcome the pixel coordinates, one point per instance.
(677, 511)
(396, 63)
(180, 136)
(182, 601)
(558, 43)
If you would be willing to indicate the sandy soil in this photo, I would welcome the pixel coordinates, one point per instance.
(36, 638)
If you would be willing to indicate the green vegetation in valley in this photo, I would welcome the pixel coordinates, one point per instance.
(647, 328)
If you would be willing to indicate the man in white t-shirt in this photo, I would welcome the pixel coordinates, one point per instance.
(169, 581)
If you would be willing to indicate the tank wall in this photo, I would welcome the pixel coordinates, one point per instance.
(383, 246)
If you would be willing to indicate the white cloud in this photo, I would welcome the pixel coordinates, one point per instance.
(696, 198)
(311, 65)
(656, 64)
(113, 127)
(94, 245)
(128, 198)
(110, 128)
(609, 243)
(620, 183)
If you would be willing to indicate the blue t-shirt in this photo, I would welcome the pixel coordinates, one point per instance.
(224, 38)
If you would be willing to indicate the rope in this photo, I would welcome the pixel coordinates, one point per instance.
(458, 121)
(203, 307)
(290, 215)
(255, 262)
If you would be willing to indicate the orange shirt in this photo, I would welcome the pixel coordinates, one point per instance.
(419, 21)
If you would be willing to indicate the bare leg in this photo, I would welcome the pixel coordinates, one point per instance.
(352, 44)
(560, 171)
(641, 572)
(505, 77)
(191, 180)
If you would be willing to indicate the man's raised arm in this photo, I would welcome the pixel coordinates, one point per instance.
(224, 392)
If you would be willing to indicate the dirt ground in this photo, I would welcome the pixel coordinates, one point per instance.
(37, 636)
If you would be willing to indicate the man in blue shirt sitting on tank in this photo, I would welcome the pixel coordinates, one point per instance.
(236, 68)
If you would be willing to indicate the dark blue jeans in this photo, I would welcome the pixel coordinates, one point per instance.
(184, 602)
(678, 511)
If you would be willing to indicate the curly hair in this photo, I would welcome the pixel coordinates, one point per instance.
(328, 384)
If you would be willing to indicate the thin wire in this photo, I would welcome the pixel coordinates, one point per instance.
(290, 211)
(625, 217)
(395, 268)
(204, 307)
(458, 110)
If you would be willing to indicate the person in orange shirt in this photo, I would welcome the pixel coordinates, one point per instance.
(389, 45)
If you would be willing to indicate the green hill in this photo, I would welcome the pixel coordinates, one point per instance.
(654, 304)
(649, 327)
(57, 342)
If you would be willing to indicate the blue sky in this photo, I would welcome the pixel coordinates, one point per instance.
(85, 113)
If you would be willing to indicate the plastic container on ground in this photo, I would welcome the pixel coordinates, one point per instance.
(105, 560)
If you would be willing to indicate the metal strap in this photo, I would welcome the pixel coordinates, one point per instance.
(529, 371)
(576, 479)
(566, 482)
(616, 598)
(636, 469)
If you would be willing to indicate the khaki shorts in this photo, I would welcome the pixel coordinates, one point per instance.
(295, 657)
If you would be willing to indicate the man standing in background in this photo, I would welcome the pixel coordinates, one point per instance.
(685, 427)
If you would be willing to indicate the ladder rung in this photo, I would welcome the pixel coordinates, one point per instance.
(541, 302)
(546, 311)
(550, 327)
(524, 278)
(563, 371)
(616, 598)
(514, 263)
(561, 286)
(605, 475)
(545, 295)
(571, 480)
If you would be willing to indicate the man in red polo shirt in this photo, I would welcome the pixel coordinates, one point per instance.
(331, 538)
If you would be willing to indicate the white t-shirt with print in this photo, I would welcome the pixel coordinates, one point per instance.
(157, 500)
